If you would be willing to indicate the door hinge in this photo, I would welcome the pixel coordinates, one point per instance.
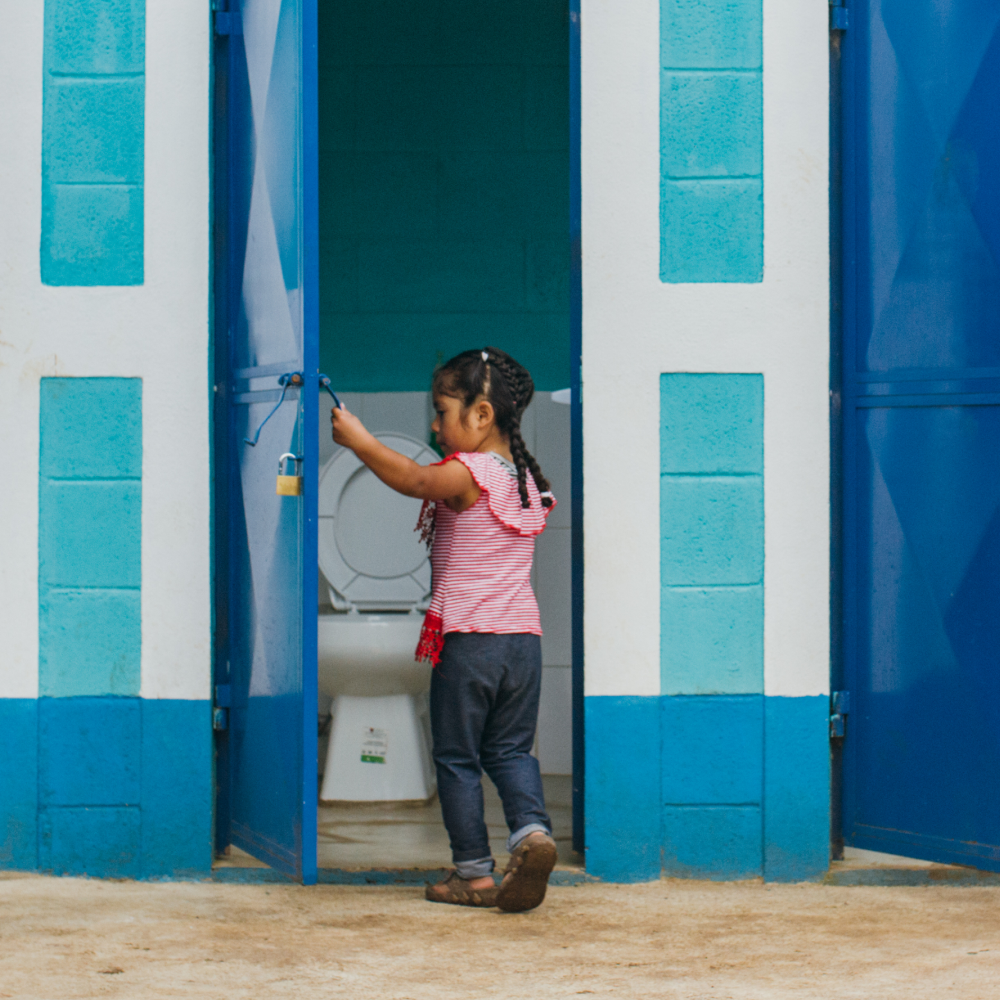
(839, 17)
(228, 22)
(840, 705)
(220, 712)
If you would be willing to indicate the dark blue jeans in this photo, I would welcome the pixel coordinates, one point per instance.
(484, 712)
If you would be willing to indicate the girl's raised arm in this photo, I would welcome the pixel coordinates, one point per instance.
(450, 481)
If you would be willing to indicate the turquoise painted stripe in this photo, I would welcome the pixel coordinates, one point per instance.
(89, 536)
(93, 130)
(711, 141)
(711, 534)
(712, 624)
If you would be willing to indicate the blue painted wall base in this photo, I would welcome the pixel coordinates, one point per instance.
(796, 788)
(18, 783)
(622, 785)
(107, 787)
(715, 787)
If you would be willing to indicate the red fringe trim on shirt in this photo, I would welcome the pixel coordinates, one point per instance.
(431, 639)
(425, 523)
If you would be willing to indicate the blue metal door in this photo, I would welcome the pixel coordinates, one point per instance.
(921, 398)
(267, 386)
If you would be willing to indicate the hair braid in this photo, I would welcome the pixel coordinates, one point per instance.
(536, 473)
(522, 388)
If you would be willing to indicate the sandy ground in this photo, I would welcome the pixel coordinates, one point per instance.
(63, 938)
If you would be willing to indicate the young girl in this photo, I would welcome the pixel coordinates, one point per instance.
(482, 630)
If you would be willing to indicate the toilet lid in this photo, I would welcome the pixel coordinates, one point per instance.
(368, 549)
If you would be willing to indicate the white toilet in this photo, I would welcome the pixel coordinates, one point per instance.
(379, 581)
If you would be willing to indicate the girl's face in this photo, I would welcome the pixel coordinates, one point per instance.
(458, 428)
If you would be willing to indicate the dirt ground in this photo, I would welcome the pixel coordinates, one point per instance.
(72, 938)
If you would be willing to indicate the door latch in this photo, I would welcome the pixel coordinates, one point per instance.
(840, 705)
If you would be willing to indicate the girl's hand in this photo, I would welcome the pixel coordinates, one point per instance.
(348, 430)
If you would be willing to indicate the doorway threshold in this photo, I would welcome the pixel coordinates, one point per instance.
(861, 867)
(406, 844)
(416, 877)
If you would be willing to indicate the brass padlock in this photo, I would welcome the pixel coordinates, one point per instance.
(288, 486)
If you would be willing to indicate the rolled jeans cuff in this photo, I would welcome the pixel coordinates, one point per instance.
(475, 869)
(518, 835)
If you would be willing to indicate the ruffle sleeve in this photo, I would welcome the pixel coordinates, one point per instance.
(502, 495)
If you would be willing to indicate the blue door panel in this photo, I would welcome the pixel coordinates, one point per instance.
(266, 730)
(928, 92)
(270, 787)
(921, 404)
(925, 724)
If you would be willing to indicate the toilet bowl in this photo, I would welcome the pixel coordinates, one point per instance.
(378, 579)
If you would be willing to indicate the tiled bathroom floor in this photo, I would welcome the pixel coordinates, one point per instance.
(390, 836)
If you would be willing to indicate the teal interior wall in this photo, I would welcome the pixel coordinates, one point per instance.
(444, 187)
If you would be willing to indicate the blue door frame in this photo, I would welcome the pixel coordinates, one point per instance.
(266, 402)
(576, 418)
(920, 383)
(294, 850)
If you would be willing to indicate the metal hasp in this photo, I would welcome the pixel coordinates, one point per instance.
(267, 328)
(286, 381)
(839, 18)
(921, 426)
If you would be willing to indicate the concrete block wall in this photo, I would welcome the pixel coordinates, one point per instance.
(105, 713)
(712, 623)
(711, 141)
(92, 142)
(705, 375)
(90, 537)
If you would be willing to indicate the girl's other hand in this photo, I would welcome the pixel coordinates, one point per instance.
(348, 430)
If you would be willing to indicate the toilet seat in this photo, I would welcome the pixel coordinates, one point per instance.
(369, 553)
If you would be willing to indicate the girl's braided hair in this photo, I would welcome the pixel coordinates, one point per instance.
(497, 377)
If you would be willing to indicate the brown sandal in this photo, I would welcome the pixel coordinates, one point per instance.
(455, 889)
(526, 876)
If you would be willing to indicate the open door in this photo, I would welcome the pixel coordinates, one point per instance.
(266, 390)
(921, 411)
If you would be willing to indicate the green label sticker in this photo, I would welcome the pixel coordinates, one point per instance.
(374, 745)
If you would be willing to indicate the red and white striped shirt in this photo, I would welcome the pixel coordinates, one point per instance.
(481, 559)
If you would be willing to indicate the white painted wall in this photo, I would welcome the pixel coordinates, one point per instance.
(158, 332)
(635, 327)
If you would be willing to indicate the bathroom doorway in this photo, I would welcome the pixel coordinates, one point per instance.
(444, 173)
